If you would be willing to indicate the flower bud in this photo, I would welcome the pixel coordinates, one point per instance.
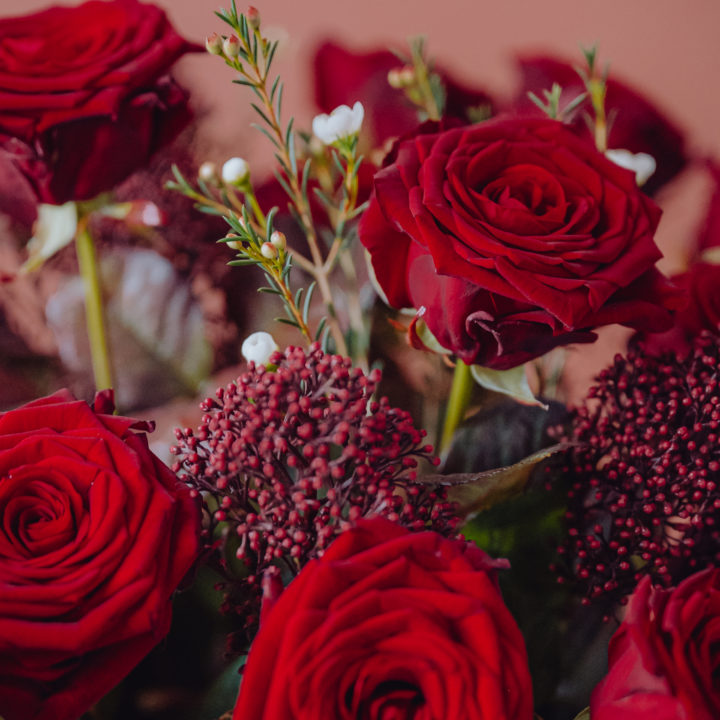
(401, 77)
(214, 44)
(342, 122)
(253, 17)
(231, 46)
(278, 240)
(207, 172)
(235, 171)
(269, 251)
(258, 348)
(234, 244)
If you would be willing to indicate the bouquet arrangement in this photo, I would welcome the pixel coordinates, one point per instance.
(390, 510)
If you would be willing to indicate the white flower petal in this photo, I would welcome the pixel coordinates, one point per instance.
(642, 164)
(342, 122)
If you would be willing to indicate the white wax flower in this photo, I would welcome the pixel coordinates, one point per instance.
(207, 171)
(235, 170)
(340, 123)
(258, 347)
(642, 164)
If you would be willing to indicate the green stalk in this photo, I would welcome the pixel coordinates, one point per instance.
(94, 320)
(458, 402)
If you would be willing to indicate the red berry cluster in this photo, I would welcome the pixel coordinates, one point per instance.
(289, 456)
(644, 473)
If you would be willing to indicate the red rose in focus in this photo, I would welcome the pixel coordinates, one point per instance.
(512, 237)
(663, 662)
(342, 77)
(96, 535)
(389, 624)
(702, 284)
(84, 98)
(637, 125)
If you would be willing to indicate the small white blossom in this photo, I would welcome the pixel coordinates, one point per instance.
(278, 239)
(340, 123)
(207, 171)
(269, 251)
(642, 164)
(235, 171)
(258, 348)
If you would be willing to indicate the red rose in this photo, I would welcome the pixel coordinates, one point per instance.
(710, 231)
(664, 658)
(84, 96)
(96, 535)
(512, 237)
(389, 624)
(342, 77)
(637, 125)
(702, 284)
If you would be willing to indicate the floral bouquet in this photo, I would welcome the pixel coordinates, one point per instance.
(390, 509)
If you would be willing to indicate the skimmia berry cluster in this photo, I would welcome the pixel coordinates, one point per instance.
(290, 455)
(644, 473)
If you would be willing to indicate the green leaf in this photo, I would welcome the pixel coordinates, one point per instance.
(583, 714)
(511, 382)
(269, 222)
(286, 321)
(320, 327)
(266, 133)
(278, 111)
(274, 88)
(308, 298)
(475, 492)
(271, 54)
(259, 111)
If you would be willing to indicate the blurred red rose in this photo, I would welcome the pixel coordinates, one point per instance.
(96, 535)
(709, 236)
(84, 98)
(664, 659)
(512, 237)
(702, 284)
(389, 623)
(636, 124)
(342, 77)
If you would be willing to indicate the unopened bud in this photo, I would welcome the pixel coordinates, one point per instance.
(235, 171)
(214, 44)
(207, 172)
(401, 77)
(234, 244)
(269, 251)
(258, 347)
(231, 46)
(407, 76)
(253, 17)
(278, 240)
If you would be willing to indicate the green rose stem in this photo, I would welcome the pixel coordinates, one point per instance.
(458, 402)
(85, 248)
